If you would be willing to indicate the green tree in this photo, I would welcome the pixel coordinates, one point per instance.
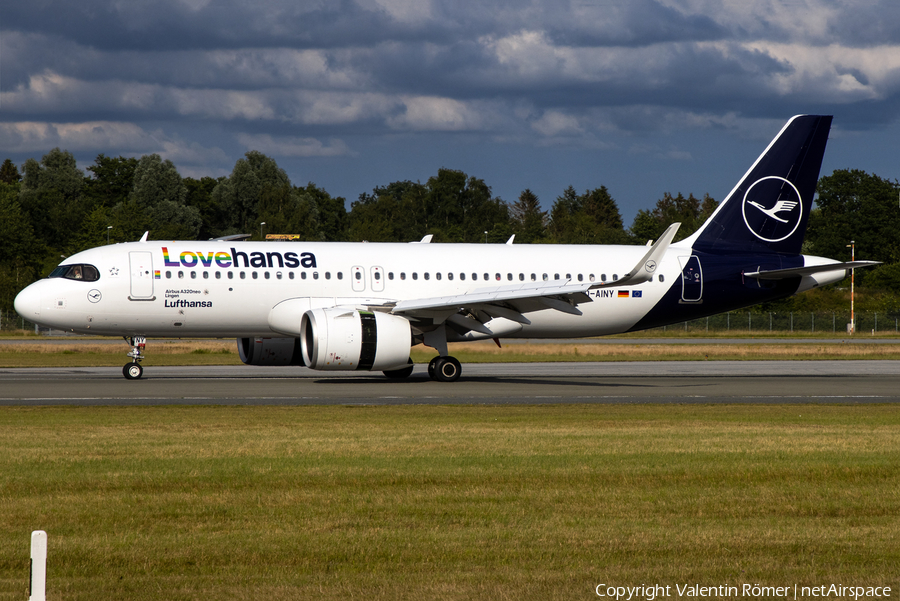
(112, 182)
(21, 254)
(287, 210)
(690, 212)
(239, 194)
(9, 173)
(589, 218)
(393, 213)
(214, 221)
(459, 208)
(51, 196)
(855, 205)
(156, 204)
(529, 222)
(331, 213)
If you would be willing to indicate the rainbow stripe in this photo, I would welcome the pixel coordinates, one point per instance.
(156, 274)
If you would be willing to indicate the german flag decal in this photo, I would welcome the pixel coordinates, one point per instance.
(624, 294)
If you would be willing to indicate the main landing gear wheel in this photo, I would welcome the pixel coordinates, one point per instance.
(399, 374)
(132, 371)
(444, 369)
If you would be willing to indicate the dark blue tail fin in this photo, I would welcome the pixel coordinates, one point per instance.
(768, 210)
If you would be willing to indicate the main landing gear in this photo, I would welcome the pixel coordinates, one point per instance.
(444, 369)
(133, 370)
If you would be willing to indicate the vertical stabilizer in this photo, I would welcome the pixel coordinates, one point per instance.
(768, 210)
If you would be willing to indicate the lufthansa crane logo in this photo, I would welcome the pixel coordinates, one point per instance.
(772, 208)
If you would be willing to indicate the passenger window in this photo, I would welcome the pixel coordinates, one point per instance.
(591, 277)
(205, 275)
(180, 275)
(426, 275)
(218, 275)
(327, 275)
(415, 276)
(568, 276)
(340, 275)
(377, 276)
(521, 277)
(402, 275)
(243, 275)
(602, 277)
(267, 275)
(497, 277)
(486, 277)
(555, 276)
(390, 275)
(462, 276)
(315, 275)
(278, 275)
(168, 275)
(193, 275)
(437, 276)
(290, 275)
(302, 275)
(509, 277)
(450, 276)
(254, 275)
(661, 278)
(358, 275)
(533, 277)
(615, 277)
(545, 277)
(580, 277)
(230, 275)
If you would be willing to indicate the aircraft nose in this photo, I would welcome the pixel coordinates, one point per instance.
(28, 302)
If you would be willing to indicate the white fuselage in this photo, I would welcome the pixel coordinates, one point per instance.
(228, 289)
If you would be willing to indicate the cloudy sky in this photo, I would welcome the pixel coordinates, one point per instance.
(642, 96)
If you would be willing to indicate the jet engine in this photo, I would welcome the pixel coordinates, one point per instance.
(270, 351)
(349, 339)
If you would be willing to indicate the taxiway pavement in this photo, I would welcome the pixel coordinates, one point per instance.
(849, 382)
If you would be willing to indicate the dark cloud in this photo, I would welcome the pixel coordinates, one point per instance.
(201, 80)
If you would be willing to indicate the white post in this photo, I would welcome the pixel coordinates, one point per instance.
(37, 587)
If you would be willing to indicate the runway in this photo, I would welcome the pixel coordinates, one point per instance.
(844, 382)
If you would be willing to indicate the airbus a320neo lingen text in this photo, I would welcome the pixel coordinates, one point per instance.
(361, 306)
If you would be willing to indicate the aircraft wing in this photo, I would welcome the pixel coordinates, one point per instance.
(793, 272)
(517, 299)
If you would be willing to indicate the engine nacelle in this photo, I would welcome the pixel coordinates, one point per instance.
(270, 351)
(348, 339)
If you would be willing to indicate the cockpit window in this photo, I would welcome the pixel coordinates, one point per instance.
(83, 272)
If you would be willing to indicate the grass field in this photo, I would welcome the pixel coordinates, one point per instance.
(222, 352)
(423, 502)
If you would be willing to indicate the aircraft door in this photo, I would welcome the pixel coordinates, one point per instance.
(358, 278)
(691, 279)
(141, 265)
(377, 279)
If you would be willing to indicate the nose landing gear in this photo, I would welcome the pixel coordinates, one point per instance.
(133, 370)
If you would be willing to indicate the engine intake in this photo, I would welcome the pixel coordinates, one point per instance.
(349, 339)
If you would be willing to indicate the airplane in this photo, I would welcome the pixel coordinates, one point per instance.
(361, 306)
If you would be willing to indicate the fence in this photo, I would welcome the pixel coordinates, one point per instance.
(744, 322)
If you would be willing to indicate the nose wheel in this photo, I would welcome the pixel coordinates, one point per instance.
(133, 370)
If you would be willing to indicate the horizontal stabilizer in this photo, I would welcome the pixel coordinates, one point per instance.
(780, 274)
